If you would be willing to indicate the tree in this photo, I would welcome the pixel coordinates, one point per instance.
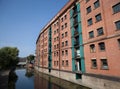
(8, 57)
(30, 58)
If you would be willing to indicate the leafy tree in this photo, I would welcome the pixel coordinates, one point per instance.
(8, 57)
(30, 58)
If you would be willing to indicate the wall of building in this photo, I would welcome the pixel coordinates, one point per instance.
(109, 37)
(102, 60)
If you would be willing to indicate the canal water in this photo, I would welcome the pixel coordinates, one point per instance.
(28, 79)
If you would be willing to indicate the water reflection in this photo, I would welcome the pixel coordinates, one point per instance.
(43, 81)
(25, 79)
(12, 79)
(29, 72)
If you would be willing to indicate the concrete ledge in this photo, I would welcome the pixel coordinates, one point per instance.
(89, 80)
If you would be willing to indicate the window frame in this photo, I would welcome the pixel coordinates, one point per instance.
(117, 25)
(104, 66)
(114, 8)
(118, 40)
(91, 34)
(88, 9)
(93, 63)
(67, 63)
(100, 31)
(92, 49)
(96, 4)
(100, 46)
(98, 17)
(89, 22)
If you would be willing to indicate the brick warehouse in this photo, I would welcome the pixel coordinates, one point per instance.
(81, 44)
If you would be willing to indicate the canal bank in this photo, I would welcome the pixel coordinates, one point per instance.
(4, 79)
(91, 81)
(45, 81)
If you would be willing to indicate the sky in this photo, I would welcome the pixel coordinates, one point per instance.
(22, 20)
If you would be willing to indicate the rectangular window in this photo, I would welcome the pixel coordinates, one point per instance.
(98, 17)
(88, 9)
(117, 24)
(96, 4)
(54, 39)
(62, 53)
(62, 62)
(54, 32)
(89, 21)
(100, 31)
(119, 43)
(65, 25)
(91, 34)
(66, 34)
(57, 38)
(94, 63)
(66, 52)
(62, 35)
(92, 48)
(116, 8)
(102, 46)
(57, 54)
(65, 16)
(62, 27)
(104, 64)
(67, 63)
(62, 44)
(66, 43)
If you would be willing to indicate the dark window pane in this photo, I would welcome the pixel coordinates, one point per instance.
(91, 34)
(98, 17)
(88, 9)
(116, 8)
(67, 63)
(119, 42)
(66, 43)
(92, 48)
(66, 34)
(104, 64)
(100, 31)
(102, 46)
(94, 63)
(89, 21)
(97, 4)
(117, 25)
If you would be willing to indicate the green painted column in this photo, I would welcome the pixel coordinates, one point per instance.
(50, 49)
(80, 40)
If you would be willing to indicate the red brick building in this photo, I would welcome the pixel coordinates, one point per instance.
(101, 36)
(82, 42)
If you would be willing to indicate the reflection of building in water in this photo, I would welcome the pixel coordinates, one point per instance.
(43, 81)
(22, 62)
(82, 43)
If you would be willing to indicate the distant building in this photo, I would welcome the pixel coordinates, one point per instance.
(83, 42)
(22, 61)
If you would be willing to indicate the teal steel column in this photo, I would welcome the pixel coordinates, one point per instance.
(72, 33)
(50, 49)
(81, 40)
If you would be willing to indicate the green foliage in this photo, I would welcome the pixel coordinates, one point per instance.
(30, 58)
(8, 57)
